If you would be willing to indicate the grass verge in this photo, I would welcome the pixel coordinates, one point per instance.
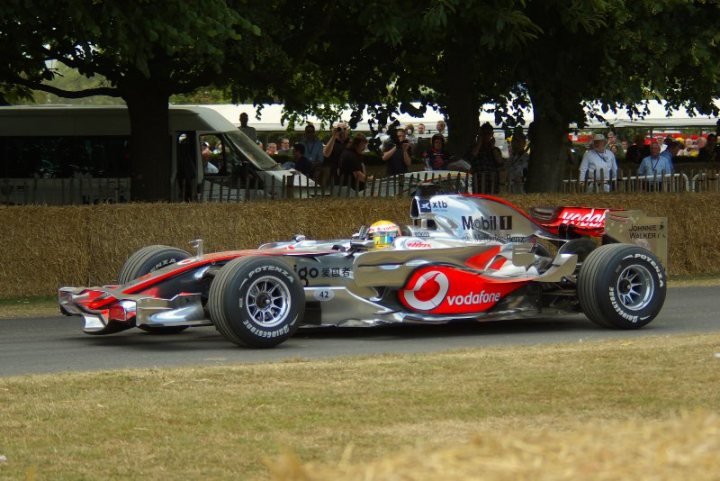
(224, 422)
(28, 307)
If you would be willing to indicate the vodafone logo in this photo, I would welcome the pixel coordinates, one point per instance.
(428, 292)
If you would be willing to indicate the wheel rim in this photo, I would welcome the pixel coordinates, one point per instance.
(635, 287)
(268, 301)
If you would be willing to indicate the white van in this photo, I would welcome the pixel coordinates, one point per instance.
(78, 154)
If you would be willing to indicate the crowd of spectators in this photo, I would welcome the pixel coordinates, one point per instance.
(341, 158)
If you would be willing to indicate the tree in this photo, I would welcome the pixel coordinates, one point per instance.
(445, 54)
(146, 52)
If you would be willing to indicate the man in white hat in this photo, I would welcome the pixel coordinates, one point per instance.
(598, 166)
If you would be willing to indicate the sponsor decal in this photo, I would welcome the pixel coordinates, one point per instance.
(472, 298)
(428, 291)
(447, 290)
(493, 222)
(306, 274)
(580, 217)
(645, 231)
(425, 206)
(439, 205)
(421, 233)
(415, 244)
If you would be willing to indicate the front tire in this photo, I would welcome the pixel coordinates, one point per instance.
(621, 286)
(256, 301)
(147, 260)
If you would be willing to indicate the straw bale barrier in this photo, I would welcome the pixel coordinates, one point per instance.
(44, 247)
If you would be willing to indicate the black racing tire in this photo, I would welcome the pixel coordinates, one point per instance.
(256, 301)
(145, 261)
(621, 286)
(149, 259)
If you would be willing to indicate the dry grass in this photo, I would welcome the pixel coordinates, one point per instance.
(45, 247)
(686, 446)
(546, 403)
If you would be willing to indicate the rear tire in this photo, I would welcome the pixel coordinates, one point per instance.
(256, 301)
(147, 260)
(621, 286)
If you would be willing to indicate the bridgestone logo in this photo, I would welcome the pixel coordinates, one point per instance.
(268, 334)
(473, 299)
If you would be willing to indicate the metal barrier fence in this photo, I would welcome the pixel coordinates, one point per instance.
(692, 181)
(229, 189)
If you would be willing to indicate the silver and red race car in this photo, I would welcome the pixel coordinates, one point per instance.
(461, 257)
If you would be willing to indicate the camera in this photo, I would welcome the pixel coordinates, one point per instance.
(339, 129)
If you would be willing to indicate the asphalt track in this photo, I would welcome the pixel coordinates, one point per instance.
(57, 344)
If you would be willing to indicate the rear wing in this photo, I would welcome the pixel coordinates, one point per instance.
(635, 227)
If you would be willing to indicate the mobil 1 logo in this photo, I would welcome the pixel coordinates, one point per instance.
(493, 222)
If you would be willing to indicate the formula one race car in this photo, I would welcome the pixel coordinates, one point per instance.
(463, 257)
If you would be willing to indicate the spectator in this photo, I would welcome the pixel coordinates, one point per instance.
(655, 165)
(440, 126)
(410, 134)
(436, 158)
(671, 153)
(485, 160)
(518, 163)
(284, 148)
(333, 150)
(272, 148)
(397, 153)
(313, 148)
(689, 147)
(249, 131)
(352, 167)
(598, 166)
(302, 163)
(421, 129)
(666, 143)
(708, 152)
(637, 151)
(206, 154)
(613, 146)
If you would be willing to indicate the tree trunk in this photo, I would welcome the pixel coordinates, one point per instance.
(463, 106)
(547, 135)
(150, 142)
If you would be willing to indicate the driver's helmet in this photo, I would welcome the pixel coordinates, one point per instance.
(383, 233)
